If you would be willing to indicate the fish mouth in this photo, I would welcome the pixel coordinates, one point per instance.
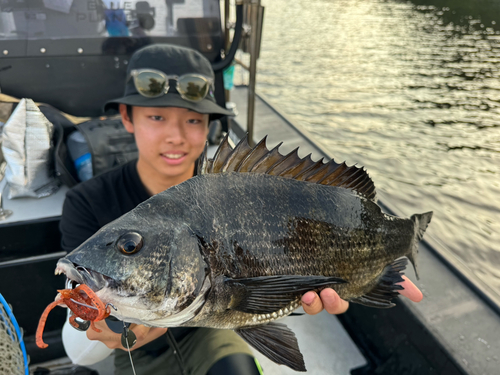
(76, 275)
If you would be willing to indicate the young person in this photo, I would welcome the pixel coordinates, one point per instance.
(167, 105)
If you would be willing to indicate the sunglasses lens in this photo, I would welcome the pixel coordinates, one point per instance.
(150, 84)
(193, 88)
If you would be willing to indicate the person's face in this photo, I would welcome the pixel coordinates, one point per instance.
(169, 139)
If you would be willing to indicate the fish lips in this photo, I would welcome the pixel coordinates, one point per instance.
(81, 275)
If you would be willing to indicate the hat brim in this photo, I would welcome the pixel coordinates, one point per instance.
(171, 100)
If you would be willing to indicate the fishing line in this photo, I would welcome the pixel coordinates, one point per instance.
(125, 332)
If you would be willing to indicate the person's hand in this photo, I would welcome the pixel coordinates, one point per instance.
(333, 304)
(328, 299)
(113, 340)
(411, 291)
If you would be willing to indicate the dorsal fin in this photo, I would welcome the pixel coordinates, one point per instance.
(260, 159)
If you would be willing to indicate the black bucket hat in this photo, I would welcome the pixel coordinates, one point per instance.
(171, 60)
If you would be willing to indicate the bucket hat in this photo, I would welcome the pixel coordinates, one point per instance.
(173, 61)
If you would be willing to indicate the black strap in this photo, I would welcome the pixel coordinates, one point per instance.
(177, 353)
(115, 325)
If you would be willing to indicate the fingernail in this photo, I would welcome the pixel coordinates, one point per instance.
(308, 299)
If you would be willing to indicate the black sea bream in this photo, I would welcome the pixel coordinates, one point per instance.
(238, 245)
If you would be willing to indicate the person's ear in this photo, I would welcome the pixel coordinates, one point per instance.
(127, 122)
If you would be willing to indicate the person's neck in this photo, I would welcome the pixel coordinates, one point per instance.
(155, 183)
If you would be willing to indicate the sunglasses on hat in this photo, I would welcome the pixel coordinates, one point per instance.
(152, 83)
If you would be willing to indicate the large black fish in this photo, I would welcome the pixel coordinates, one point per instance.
(236, 247)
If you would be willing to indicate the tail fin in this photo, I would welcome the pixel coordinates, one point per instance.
(421, 222)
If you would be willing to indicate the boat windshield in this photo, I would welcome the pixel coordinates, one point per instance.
(69, 19)
(80, 48)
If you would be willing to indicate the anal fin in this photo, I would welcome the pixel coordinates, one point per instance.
(387, 287)
(277, 342)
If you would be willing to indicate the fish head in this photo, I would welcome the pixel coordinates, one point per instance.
(150, 271)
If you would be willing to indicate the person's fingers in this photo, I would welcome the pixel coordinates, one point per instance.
(112, 340)
(332, 303)
(311, 303)
(106, 336)
(410, 290)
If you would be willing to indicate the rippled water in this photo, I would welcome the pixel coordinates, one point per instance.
(410, 90)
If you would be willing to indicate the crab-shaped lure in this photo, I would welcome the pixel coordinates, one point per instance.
(84, 304)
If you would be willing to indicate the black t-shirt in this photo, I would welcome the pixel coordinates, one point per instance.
(98, 201)
(94, 203)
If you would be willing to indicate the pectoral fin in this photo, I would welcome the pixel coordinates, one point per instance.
(277, 342)
(267, 294)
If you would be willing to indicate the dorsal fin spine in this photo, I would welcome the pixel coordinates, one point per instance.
(354, 177)
(341, 177)
(259, 159)
(328, 179)
(366, 184)
(248, 159)
(325, 170)
(218, 151)
(309, 171)
(357, 185)
(203, 161)
(358, 180)
(239, 153)
(353, 180)
(221, 155)
(273, 154)
(287, 170)
(286, 158)
(305, 164)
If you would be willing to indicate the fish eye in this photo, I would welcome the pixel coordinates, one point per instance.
(129, 243)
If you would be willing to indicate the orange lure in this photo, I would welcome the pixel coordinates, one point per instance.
(82, 294)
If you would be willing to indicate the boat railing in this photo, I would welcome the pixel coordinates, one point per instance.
(253, 20)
